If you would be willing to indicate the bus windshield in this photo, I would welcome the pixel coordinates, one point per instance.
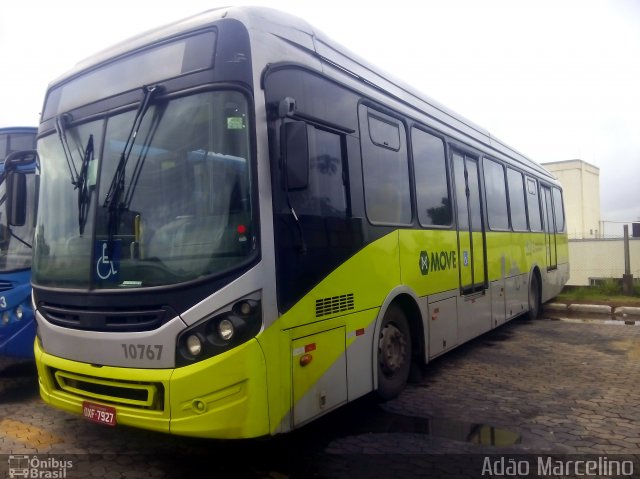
(183, 208)
(15, 241)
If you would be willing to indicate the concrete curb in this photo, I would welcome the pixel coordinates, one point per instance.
(560, 307)
(603, 320)
(589, 308)
(593, 313)
(624, 311)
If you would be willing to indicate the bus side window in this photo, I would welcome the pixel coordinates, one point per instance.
(385, 168)
(558, 210)
(326, 191)
(4, 144)
(496, 195)
(533, 203)
(517, 200)
(432, 187)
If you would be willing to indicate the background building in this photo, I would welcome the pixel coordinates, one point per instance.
(592, 257)
(581, 189)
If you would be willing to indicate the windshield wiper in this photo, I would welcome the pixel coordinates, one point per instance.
(84, 195)
(61, 128)
(78, 179)
(144, 150)
(113, 200)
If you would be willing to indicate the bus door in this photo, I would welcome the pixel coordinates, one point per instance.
(471, 239)
(549, 228)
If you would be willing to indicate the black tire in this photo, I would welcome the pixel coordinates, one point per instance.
(535, 305)
(394, 353)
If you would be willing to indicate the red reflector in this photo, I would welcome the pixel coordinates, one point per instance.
(310, 347)
(241, 229)
(359, 332)
(305, 359)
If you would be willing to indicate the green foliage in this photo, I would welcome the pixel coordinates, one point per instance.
(610, 287)
(608, 290)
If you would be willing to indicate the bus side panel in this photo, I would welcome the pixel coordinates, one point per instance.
(348, 298)
(18, 333)
(359, 283)
(319, 374)
(230, 403)
(428, 260)
(499, 262)
(20, 343)
(517, 274)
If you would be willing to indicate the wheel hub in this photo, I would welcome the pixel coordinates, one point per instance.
(391, 349)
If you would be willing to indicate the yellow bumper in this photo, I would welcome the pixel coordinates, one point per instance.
(221, 397)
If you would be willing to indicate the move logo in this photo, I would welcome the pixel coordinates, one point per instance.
(437, 261)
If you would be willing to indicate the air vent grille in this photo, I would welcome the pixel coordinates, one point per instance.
(334, 304)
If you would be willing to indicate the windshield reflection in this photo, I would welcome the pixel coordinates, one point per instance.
(187, 212)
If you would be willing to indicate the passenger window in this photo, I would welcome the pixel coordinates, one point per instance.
(558, 210)
(383, 133)
(432, 187)
(533, 203)
(385, 168)
(496, 195)
(517, 200)
(325, 195)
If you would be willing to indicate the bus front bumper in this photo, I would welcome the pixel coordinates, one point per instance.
(221, 397)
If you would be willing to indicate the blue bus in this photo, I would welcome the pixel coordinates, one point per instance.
(18, 162)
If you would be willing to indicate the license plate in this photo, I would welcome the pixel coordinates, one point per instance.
(99, 413)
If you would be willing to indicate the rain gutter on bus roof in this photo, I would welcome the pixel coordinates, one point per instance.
(298, 31)
(327, 49)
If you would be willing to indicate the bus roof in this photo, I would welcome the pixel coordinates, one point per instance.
(331, 54)
(19, 129)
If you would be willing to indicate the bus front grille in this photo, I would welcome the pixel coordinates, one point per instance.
(5, 286)
(118, 392)
(106, 319)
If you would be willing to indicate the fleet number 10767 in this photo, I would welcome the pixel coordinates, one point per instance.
(152, 352)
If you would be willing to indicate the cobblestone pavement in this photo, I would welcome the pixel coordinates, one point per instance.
(530, 389)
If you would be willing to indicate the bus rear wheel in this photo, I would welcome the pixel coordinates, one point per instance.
(534, 297)
(394, 353)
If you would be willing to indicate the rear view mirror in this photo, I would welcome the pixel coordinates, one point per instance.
(16, 186)
(16, 198)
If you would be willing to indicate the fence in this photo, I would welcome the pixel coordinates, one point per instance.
(592, 260)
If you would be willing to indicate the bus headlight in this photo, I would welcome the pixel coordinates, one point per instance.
(194, 345)
(19, 312)
(5, 318)
(226, 329)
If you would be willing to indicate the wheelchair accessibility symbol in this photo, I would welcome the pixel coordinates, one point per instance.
(107, 267)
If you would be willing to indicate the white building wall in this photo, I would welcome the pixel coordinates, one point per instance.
(581, 189)
(603, 258)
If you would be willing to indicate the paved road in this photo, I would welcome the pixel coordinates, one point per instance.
(531, 390)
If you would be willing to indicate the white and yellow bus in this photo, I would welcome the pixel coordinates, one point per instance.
(243, 226)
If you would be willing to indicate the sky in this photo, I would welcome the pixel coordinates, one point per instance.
(555, 79)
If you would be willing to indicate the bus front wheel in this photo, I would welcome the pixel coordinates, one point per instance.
(394, 353)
